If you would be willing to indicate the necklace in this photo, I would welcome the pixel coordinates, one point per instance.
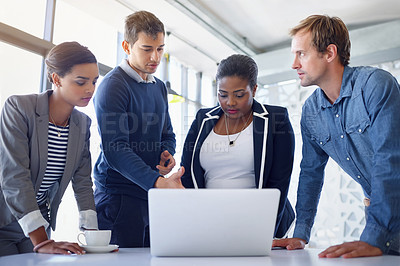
(232, 142)
(63, 127)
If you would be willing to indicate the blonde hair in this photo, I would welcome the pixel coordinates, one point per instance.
(327, 30)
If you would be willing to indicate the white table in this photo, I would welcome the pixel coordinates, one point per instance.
(142, 257)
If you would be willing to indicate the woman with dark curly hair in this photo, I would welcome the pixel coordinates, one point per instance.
(241, 143)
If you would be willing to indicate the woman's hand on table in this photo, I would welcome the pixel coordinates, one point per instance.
(53, 247)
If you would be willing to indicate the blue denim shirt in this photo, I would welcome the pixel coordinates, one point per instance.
(361, 132)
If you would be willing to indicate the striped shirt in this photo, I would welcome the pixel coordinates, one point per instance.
(56, 158)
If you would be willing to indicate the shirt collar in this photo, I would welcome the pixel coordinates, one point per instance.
(346, 89)
(133, 74)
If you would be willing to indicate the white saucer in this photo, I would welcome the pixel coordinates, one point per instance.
(99, 249)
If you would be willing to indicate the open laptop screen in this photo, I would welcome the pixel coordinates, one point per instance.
(212, 222)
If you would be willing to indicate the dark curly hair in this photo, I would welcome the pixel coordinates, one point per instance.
(238, 65)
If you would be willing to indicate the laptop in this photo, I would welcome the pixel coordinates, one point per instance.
(212, 222)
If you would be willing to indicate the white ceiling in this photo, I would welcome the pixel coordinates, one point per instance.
(266, 23)
(203, 32)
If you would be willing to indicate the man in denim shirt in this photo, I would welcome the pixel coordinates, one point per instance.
(353, 117)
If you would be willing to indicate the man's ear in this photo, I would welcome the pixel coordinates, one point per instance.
(126, 48)
(331, 52)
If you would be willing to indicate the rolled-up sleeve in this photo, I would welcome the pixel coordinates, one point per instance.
(32, 221)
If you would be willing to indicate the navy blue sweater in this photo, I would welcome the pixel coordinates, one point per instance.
(135, 127)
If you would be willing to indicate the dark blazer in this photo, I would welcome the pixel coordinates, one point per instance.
(24, 124)
(273, 142)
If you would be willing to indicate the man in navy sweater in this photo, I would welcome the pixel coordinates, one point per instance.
(137, 139)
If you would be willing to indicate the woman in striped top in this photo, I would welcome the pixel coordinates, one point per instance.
(44, 144)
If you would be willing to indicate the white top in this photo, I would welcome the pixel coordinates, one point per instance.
(228, 166)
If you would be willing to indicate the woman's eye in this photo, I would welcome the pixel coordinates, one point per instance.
(240, 95)
(223, 95)
(80, 83)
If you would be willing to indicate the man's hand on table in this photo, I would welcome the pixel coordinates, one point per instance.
(351, 250)
(289, 243)
(346, 250)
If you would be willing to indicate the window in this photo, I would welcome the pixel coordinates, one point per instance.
(20, 72)
(192, 84)
(175, 73)
(208, 95)
(175, 110)
(74, 24)
(25, 15)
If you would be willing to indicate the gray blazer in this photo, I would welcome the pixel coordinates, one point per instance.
(23, 158)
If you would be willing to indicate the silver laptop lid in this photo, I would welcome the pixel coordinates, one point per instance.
(212, 222)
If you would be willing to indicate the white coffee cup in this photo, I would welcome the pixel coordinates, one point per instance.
(96, 237)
